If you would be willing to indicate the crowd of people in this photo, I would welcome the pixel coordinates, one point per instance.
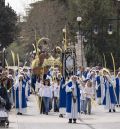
(15, 88)
(77, 93)
(69, 96)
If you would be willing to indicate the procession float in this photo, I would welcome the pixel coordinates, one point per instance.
(43, 59)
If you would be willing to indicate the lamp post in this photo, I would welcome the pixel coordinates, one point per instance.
(79, 19)
(110, 32)
(80, 40)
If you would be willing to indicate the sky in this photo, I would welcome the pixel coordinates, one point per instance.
(19, 5)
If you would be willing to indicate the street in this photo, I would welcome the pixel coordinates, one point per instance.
(64, 53)
(100, 119)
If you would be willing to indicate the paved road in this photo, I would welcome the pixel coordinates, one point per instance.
(100, 119)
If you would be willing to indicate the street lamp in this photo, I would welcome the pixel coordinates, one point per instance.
(64, 30)
(95, 31)
(110, 32)
(79, 19)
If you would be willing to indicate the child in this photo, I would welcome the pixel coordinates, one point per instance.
(47, 94)
(40, 98)
(89, 92)
(82, 98)
(56, 96)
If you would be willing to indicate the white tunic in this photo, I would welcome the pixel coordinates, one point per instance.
(82, 92)
(108, 105)
(56, 90)
(102, 88)
(20, 109)
(20, 96)
(89, 91)
(37, 86)
(40, 90)
(47, 91)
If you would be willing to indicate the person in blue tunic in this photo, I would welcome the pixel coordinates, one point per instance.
(20, 98)
(27, 81)
(72, 99)
(109, 94)
(117, 89)
(98, 87)
(62, 98)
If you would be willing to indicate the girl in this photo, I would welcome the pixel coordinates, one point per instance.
(40, 98)
(46, 94)
(56, 95)
(82, 98)
(89, 93)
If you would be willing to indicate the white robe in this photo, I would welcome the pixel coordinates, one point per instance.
(109, 105)
(20, 109)
(74, 108)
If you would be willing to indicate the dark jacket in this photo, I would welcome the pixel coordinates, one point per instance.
(4, 95)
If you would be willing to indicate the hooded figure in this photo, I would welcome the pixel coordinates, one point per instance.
(20, 98)
(109, 94)
(73, 100)
(98, 87)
